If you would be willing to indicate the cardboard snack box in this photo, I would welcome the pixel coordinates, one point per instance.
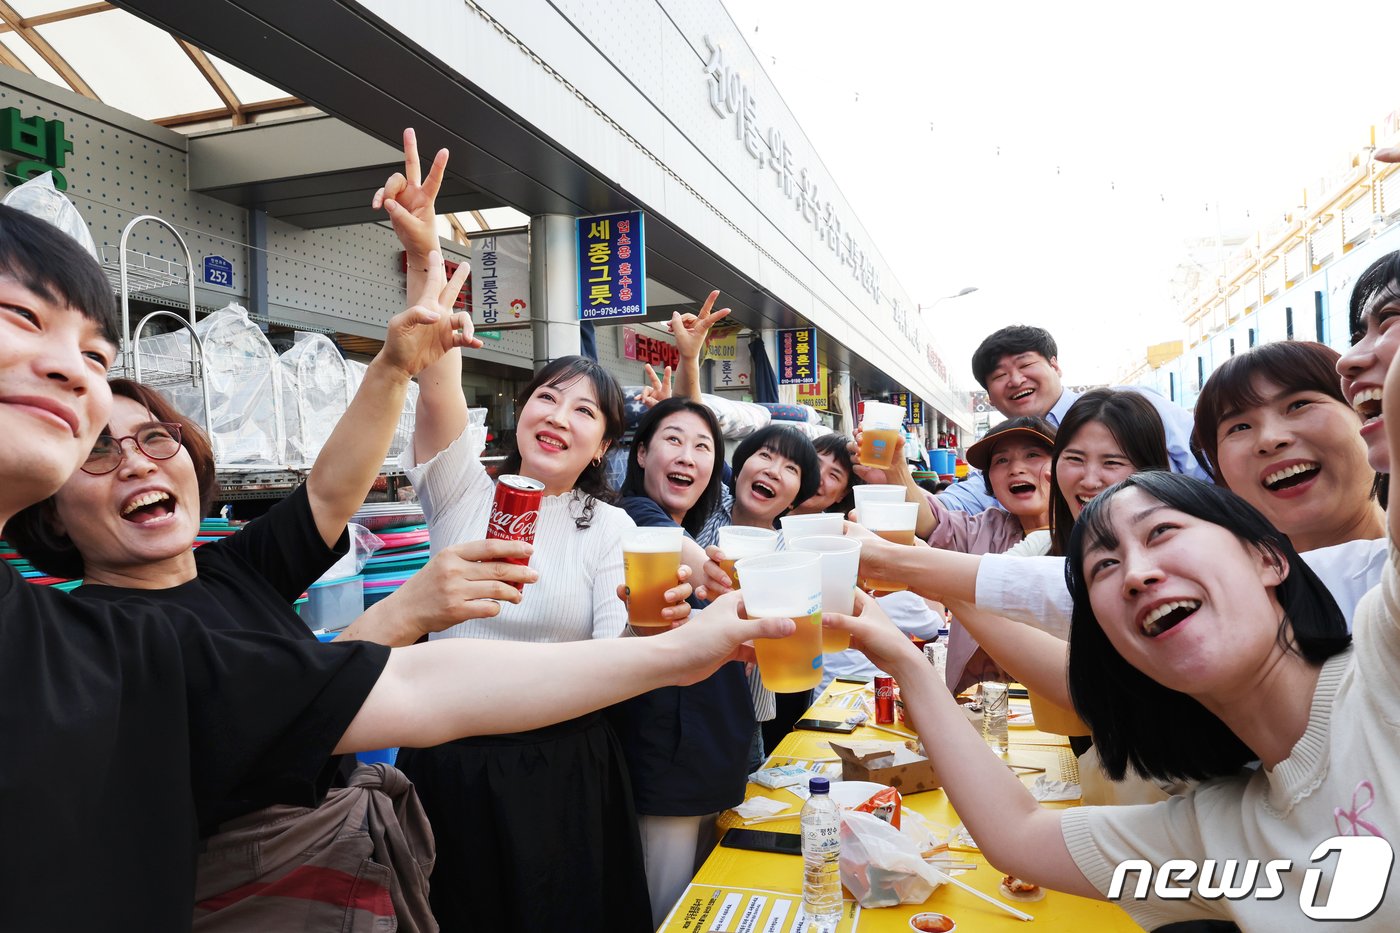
(888, 763)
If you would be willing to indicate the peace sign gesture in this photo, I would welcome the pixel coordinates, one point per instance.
(410, 199)
(418, 337)
(659, 390)
(690, 330)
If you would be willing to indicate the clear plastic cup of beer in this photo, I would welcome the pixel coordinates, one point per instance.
(840, 558)
(736, 542)
(786, 585)
(880, 426)
(802, 526)
(895, 522)
(876, 492)
(651, 562)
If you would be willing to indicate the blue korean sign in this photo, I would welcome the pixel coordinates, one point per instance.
(611, 267)
(218, 271)
(797, 356)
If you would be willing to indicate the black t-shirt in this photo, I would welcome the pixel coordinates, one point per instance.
(121, 725)
(248, 582)
(687, 748)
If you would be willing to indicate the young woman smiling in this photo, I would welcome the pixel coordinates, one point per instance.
(687, 747)
(1201, 642)
(526, 822)
(1275, 428)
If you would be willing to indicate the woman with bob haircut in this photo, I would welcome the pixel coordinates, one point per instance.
(1273, 426)
(774, 468)
(1200, 643)
(687, 747)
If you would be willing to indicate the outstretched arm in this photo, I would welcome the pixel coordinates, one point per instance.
(1015, 833)
(691, 331)
(354, 453)
(931, 572)
(1034, 657)
(447, 689)
(410, 200)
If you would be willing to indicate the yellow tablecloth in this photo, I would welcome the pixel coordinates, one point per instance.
(746, 889)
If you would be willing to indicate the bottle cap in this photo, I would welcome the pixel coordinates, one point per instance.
(819, 785)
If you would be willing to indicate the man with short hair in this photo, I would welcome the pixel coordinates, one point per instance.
(1019, 367)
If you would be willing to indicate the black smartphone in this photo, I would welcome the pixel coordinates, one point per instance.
(762, 840)
(826, 725)
(851, 680)
(1018, 693)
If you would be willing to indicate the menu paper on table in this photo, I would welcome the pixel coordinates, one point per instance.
(706, 907)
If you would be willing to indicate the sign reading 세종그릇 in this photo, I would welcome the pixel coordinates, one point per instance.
(611, 266)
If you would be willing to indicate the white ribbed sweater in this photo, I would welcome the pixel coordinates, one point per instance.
(580, 569)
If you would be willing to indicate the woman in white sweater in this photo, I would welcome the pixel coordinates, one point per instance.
(1200, 644)
(533, 823)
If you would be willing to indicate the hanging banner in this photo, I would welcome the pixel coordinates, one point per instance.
(797, 356)
(723, 344)
(817, 394)
(916, 410)
(901, 399)
(611, 267)
(501, 281)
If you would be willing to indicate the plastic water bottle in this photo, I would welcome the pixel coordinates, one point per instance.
(937, 654)
(821, 857)
(994, 703)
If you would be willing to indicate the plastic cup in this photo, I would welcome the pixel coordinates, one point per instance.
(651, 562)
(787, 584)
(803, 526)
(881, 424)
(874, 492)
(740, 541)
(840, 564)
(895, 522)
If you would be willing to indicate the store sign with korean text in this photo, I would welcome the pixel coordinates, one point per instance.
(723, 343)
(901, 399)
(501, 281)
(817, 395)
(611, 267)
(41, 144)
(647, 348)
(733, 374)
(731, 98)
(797, 356)
(916, 410)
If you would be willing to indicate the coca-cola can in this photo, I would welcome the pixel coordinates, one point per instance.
(515, 511)
(884, 700)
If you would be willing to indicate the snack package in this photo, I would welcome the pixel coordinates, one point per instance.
(885, 804)
(880, 865)
(782, 776)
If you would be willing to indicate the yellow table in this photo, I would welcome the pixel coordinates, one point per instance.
(742, 891)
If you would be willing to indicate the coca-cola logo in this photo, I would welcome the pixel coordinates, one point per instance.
(882, 692)
(514, 527)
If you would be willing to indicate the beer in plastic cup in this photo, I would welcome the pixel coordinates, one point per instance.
(895, 522)
(787, 584)
(820, 523)
(739, 541)
(651, 562)
(876, 492)
(881, 425)
(840, 562)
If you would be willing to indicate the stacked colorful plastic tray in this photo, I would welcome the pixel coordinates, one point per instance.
(404, 553)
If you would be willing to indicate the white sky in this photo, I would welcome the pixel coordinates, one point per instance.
(1058, 156)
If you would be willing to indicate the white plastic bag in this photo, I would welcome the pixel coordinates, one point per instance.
(880, 865)
(363, 544)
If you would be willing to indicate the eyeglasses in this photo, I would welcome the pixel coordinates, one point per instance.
(158, 440)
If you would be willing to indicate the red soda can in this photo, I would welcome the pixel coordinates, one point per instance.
(884, 699)
(515, 511)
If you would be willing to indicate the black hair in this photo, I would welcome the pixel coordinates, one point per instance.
(838, 446)
(1134, 423)
(1011, 341)
(635, 482)
(1379, 282)
(785, 442)
(1294, 365)
(1163, 733)
(1023, 421)
(52, 265)
(592, 482)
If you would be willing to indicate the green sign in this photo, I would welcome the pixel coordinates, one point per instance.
(489, 334)
(42, 143)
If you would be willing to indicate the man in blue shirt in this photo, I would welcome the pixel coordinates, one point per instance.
(1018, 367)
